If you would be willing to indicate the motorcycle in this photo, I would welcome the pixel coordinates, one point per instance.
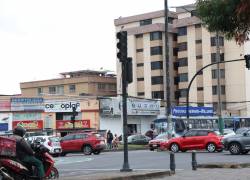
(13, 169)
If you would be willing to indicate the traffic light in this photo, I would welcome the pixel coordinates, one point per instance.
(129, 70)
(122, 46)
(247, 58)
(73, 117)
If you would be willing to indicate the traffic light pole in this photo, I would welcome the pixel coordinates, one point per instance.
(125, 167)
(197, 73)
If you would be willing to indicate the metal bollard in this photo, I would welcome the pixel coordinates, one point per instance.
(172, 163)
(194, 162)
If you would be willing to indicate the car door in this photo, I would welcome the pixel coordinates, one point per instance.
(188, 140)
(200, 139)
(79, 141)
(246, 139)
(66, 143)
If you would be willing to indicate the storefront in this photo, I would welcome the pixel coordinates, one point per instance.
(141, 114)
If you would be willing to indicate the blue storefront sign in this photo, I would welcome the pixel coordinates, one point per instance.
(193, 111)
(3, 126)
(27, 104)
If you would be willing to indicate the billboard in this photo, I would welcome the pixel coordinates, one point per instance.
(29, 125)
(193, 111)
(26, 104)
(61, 106)
(67, 124)
(4, 105)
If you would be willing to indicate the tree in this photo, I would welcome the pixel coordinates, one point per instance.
(229, 17)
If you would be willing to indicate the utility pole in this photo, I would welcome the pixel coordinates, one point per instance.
(220, 121)
(167, 94)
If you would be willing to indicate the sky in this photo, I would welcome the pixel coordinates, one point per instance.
(41, 38)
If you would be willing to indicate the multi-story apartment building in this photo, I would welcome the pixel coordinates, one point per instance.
(191, 47)
(75, 83)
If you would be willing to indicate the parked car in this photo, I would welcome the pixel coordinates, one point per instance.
(138, 139)
(226, 133)
(196, 139)
(86, 142)
(155, 143)
(50, 142)
(242, 130)
(238, 144)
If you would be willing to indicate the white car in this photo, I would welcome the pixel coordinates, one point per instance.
(50, 142)
(226, 133)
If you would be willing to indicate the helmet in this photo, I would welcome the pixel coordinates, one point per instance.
(20, 131)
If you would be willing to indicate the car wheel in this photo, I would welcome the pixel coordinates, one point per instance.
(174, 147)
(63, 154)
(211, 147)
(87, 150)
(245, 152)
(96, 152)
(234, 148)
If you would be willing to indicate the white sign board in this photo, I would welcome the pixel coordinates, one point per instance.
(61, 106)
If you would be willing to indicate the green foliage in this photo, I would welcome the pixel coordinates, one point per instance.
(223, 16)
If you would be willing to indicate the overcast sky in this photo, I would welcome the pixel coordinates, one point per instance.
(41, 38)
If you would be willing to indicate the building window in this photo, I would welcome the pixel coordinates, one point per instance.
(170, 20)
(183, 92)
(213, 57)
(158, 94)
(101, 86)
(139, 64)
(140, 94)
(213, 41)
(72, 88)
(145, 22)
(182, 62)
(139, 50)
(197, 25)
(175, 37)
(200, 88)
(215, 106)
(215, 72)
(175, 51)
(39, 91)
(182, 46)
(156, 50)
(155, 36)
(140, 79)
(215, 90)
(194, 13)
(52, 90)
(183, 77)
(156, 65)
(182, 31)
(200, 104)
(139, 36)
(199, 41)
(199, 57)
(157, 80)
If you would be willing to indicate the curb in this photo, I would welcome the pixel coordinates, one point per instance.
(126, 176)
(224, 165)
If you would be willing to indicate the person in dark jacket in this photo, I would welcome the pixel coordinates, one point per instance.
(24, 151)
(109, 139)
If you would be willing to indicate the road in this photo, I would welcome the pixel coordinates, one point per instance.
(79, 164)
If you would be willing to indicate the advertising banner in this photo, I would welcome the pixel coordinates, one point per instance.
(193, 111)
(27, 116)
(113, 106)
(4, 127)
(26, 104)
(67, 124)
(4, 105)
(61, 106)
(29, 125)
(6, 118)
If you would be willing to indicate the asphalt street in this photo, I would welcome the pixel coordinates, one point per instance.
(79, 164)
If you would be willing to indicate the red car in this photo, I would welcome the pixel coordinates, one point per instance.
(86, 142)
(195, 139)
(155, 143)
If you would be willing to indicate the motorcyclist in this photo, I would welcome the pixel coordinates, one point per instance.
(25, 152)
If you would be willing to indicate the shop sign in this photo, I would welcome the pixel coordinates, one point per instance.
(26, 104)
(61, 106)
(29, 125)
(4, 127)
(4, 105)
(67, 124)
(27, 116)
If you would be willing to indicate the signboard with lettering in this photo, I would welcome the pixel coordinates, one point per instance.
(113, 106)
(4, 105)
(193, 111)
(27, 116)
(61, 106)
(29, 125)
(4, 127)
(6, 118)
(26, 104)
(67, 124)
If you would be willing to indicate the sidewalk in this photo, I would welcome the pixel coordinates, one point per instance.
(199, 174)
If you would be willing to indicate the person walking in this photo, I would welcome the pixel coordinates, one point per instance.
(116, 142)
(109, 139)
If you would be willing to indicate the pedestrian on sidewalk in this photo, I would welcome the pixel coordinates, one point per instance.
(115, 142)
(109, 139)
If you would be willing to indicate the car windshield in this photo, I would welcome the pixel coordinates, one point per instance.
(161, 136)
(54, 139)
